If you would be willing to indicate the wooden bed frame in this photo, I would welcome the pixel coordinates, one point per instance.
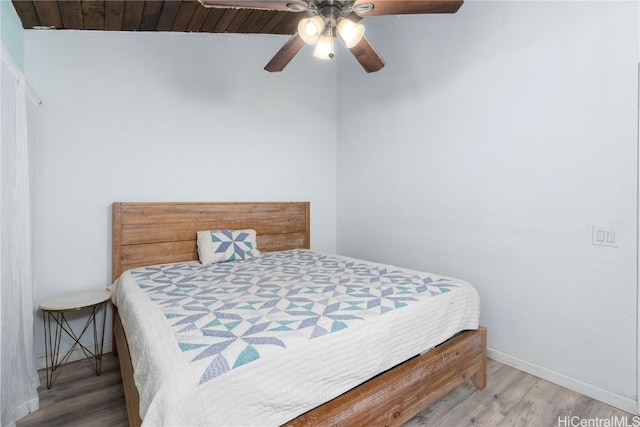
(154, 233)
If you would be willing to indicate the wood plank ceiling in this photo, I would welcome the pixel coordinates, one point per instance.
(154, 15)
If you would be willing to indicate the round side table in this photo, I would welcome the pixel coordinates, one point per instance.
(55, 309)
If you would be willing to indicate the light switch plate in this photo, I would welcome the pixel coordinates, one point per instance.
(605, 236)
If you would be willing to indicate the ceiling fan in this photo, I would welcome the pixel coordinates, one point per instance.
(330, 19)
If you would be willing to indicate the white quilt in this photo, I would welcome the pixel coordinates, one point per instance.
(261, 341)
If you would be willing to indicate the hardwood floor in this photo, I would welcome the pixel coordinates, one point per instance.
(79, 398)
(515, 398)
(511, 398)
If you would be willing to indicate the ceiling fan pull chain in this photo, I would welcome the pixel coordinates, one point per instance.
(333, 35)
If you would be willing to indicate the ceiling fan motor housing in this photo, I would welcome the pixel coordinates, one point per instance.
(327, 7)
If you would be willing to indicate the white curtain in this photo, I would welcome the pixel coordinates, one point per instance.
(18, 374)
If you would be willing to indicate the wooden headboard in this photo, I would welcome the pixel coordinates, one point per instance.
(157, 233)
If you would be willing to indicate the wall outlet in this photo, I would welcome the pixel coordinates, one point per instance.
(605, 236)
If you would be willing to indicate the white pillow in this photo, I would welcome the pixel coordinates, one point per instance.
(226, 245)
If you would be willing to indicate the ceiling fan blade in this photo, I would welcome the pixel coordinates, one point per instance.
(367, 56)
(257, 4)
(285, 54)
(407, 7)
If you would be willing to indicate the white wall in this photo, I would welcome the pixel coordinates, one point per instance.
(169, 117)
(487, 149)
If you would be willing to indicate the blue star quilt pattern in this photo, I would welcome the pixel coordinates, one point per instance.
(230, 314)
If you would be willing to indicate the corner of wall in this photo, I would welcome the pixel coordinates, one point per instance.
(11, 32)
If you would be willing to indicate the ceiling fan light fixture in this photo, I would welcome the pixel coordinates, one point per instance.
(350, 32)
(324, 48)
(310, 29)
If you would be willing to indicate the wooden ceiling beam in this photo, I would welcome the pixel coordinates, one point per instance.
(251, 21)
(183, 17)
(113, 15)
(151, 15)
(261, 22)
(71, 14)
(292, 23)
(48, 13)
(285, 26)
(93, 14)
(238, 20)
(27, 13)
(275, 20)
(133, 10)
(225, 20)
(211, 20)
(198, 18)
(168, 15)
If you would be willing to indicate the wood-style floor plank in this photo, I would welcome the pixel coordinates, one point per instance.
(78, 398)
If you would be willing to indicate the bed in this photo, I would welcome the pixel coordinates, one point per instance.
(151, 234)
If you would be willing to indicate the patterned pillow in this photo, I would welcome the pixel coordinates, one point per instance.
(226, 245)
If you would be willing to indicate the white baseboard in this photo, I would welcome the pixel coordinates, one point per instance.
(610, 398)
(76, 354)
